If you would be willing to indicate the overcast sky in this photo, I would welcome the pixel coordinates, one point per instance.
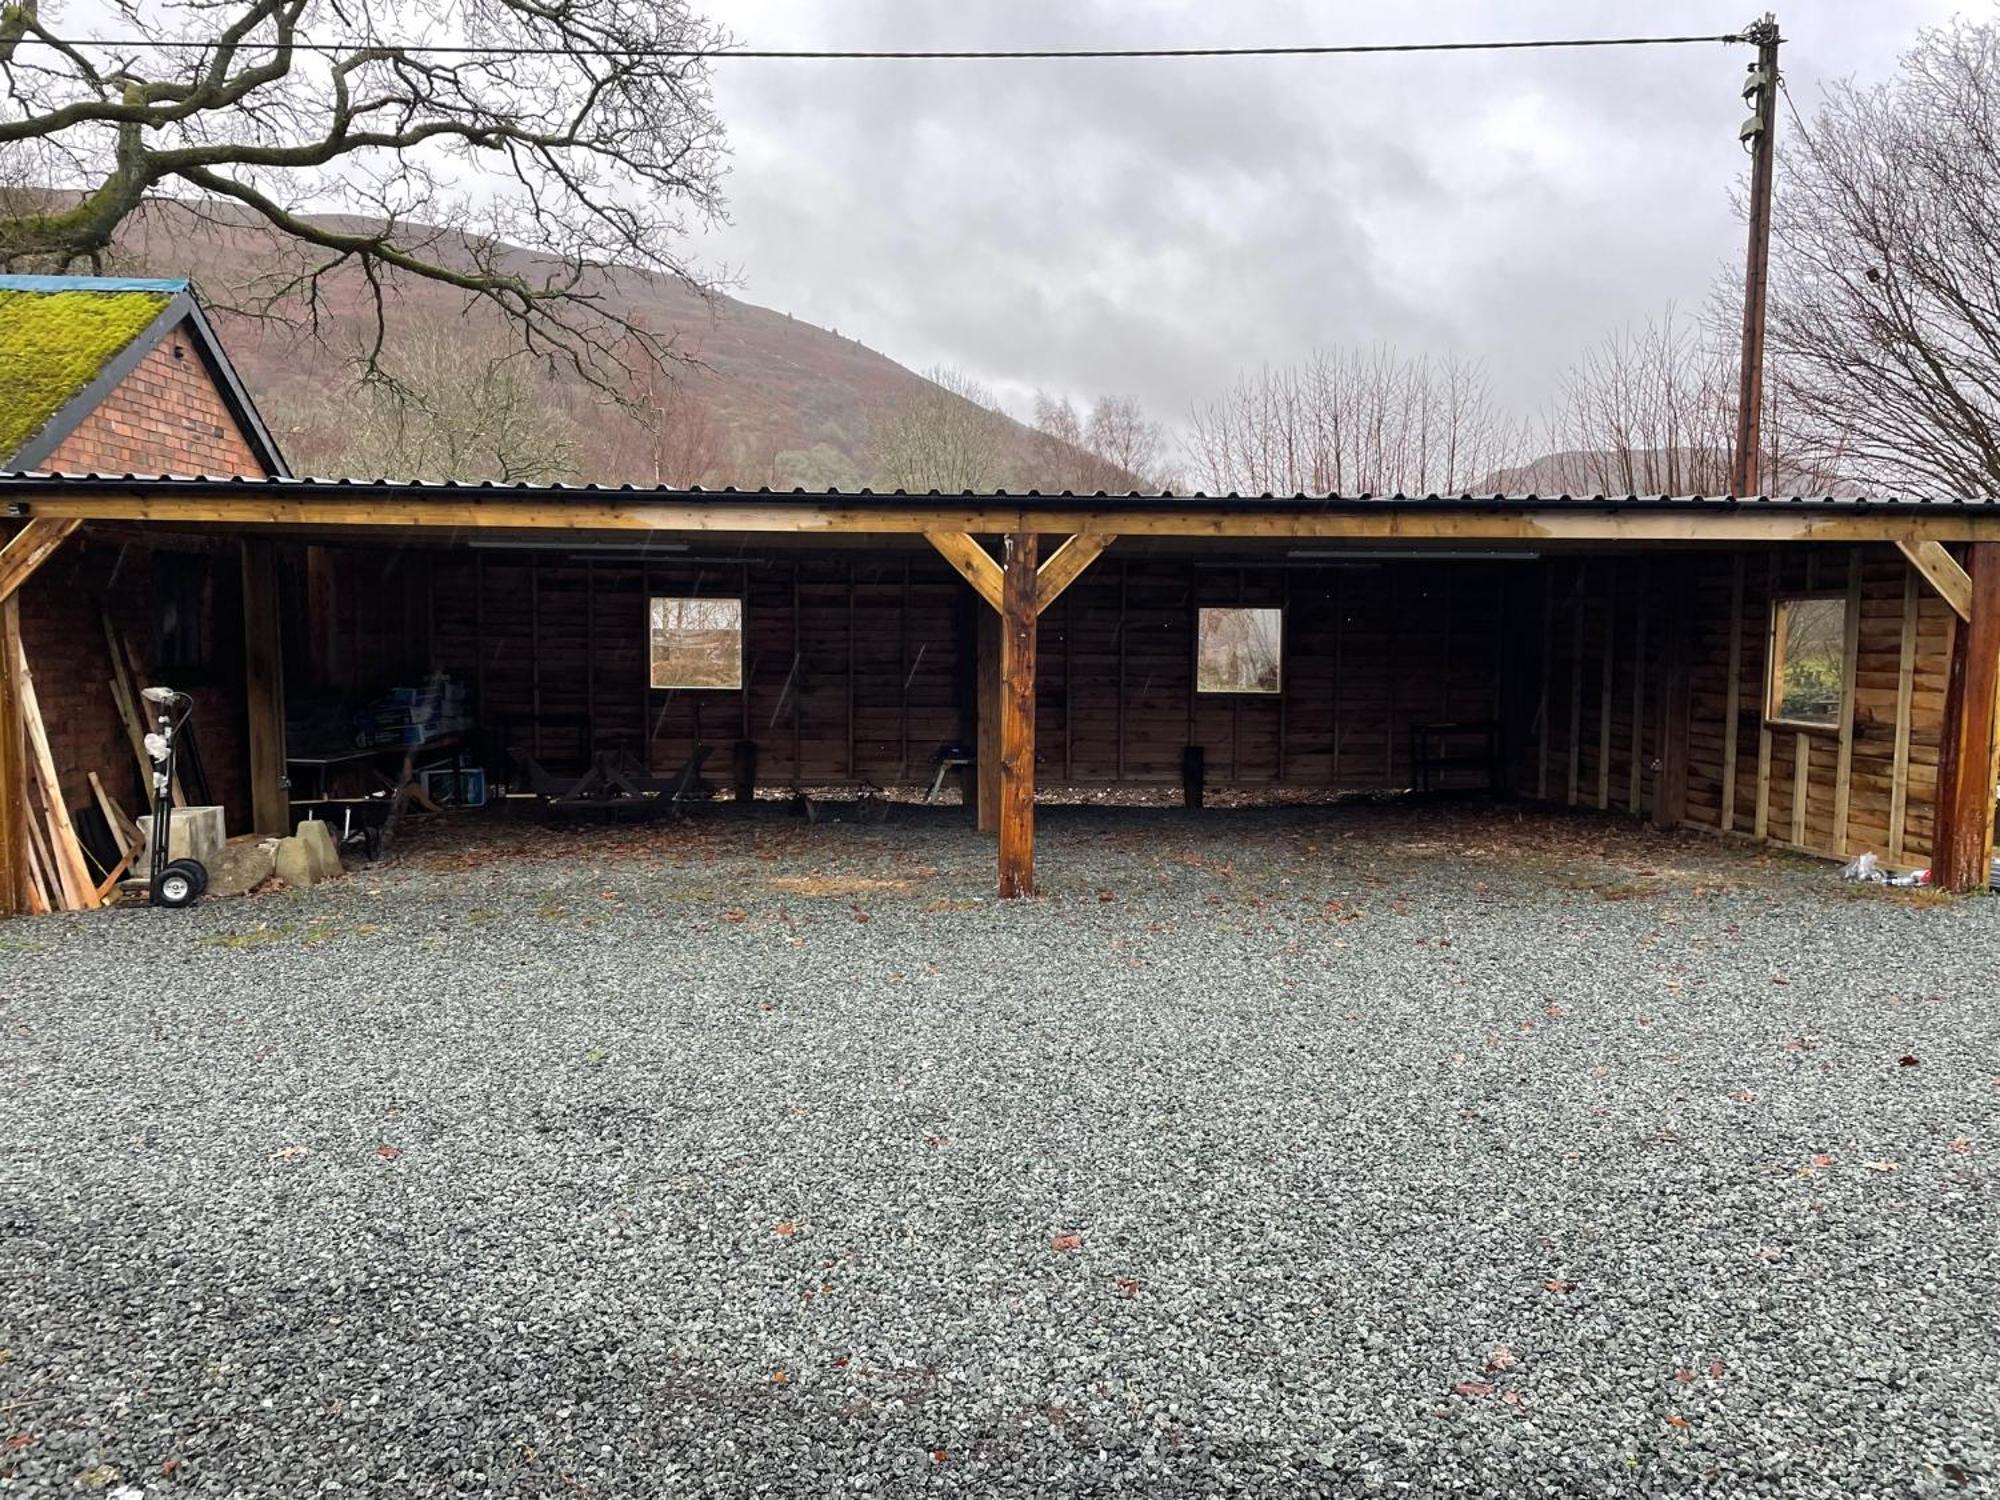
(1154, 227)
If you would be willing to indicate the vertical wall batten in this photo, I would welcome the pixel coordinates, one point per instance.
(1761, 825)
(1606, 668)
(1732, 697)
(1906, 678)
(1843, 780)
(1637, 796)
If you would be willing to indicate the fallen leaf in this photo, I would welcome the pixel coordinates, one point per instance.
(1685, 1377)
(786, 1228)
(1822, 1160)
(290, 1153)
(779, 1377)
(1680, 1423)
(862, 916)
(1600, 1071)
(940, 1455)
(1881, 1166)
(1106, 896)
(1066, 1242)
(388, 1152)
(937, 1142)
(1745, 1096)
(1502, 1358)
(1510, 1398)
(1555, 1010)
(1473, 1388)
(840, 1361)
(1961, 1144)
(1717, 1370)
(1559, 1286)
(1128, 1286)
(1907, 1060)
(736, 916)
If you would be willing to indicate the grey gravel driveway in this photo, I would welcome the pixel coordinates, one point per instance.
(1337, 1151)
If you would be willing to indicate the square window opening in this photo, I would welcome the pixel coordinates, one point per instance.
(1239, 650)
(696, 643)
(1808, 683)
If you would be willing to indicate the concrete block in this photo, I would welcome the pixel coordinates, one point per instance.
(246, 864)
(320, 849)
(199, 833)
(293, 863)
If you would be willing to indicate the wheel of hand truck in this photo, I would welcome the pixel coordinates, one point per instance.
(180, 884)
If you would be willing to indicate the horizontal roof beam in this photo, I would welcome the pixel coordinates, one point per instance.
(602, 511)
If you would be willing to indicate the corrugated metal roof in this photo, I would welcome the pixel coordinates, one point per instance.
(306, 487)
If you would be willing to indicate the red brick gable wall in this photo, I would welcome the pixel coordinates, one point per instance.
(165, 416)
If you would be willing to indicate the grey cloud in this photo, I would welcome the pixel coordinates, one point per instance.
(1158, 227)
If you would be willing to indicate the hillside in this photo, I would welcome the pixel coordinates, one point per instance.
(788, 402)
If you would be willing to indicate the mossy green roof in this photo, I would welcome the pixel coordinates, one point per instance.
(53, 344)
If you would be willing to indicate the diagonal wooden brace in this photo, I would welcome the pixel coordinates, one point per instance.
(28, 548)
(1941, 571)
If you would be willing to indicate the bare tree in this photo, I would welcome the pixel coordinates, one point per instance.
(1115, 448)
(1885, 274)
(1355, 422)
(454, 405)
(1648, 410)
(670, 434)
(945, 435)
(581, 130)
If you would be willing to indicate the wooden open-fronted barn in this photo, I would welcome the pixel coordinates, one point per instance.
(1822, 673)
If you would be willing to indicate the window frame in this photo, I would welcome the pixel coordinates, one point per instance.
(1774, 662)
(742, 631)
(1201, 610)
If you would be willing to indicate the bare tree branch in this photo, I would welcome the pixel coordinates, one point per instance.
(577, 138)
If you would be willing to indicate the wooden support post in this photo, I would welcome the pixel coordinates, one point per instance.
(1017, 718)
(13, 770)
(264, 689)
(1194, 773)
(1962, 851)
(744, 770)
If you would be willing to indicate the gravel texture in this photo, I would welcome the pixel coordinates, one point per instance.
(1347, 1150)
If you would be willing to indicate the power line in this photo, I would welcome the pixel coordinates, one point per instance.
(770, 54)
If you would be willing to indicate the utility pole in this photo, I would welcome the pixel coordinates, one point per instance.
(1760, 91)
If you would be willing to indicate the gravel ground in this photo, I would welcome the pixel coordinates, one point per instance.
(1337, 1151)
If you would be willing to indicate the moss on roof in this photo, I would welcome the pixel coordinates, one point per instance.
(52, 344)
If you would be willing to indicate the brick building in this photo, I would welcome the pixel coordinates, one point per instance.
(123, 376)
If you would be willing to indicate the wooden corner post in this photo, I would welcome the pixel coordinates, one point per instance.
(264, 689)
(1017, 716)
(1962, 849)
(13, 768)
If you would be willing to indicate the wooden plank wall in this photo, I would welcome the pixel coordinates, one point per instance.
(1866, 786)
(856, 671)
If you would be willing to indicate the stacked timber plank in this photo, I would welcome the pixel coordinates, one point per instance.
(50, 864)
